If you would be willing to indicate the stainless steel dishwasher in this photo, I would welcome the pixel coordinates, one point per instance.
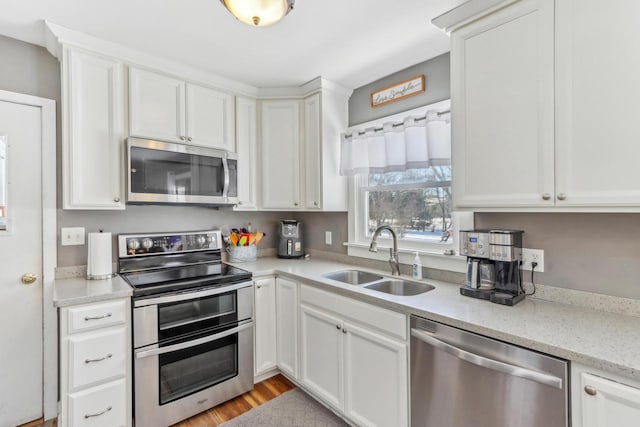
(461, 379)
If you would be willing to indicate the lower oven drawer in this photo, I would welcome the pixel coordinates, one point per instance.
(101, 406)
(97, 356)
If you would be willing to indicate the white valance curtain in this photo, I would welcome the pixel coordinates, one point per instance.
(417, 142)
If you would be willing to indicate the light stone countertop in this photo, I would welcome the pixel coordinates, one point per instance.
(79, 290)
(606, 341)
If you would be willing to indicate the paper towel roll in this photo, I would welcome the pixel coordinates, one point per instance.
(99, 256)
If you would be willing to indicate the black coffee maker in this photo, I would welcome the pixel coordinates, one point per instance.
(505, 249)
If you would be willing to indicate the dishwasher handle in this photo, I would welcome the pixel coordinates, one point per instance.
(484, 362)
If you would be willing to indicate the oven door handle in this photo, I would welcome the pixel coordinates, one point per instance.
(140, 354)
(191, 295)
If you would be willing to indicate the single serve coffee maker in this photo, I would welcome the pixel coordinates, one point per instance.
(493, 265)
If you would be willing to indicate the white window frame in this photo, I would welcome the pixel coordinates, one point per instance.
(434, 255)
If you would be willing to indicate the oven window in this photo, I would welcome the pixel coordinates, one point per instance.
(190, 370)
(185, 317)
(156, 171)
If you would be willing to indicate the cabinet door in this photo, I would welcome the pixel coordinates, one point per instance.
(287, 326)
(502, 70)
(210, 118)
(93, 138)
(321, 366)
(246, 149)
(609, 404)
(265, 325)
(280, 154)
(156, 106)
(312, 153)
(378, 399)
(598, 99)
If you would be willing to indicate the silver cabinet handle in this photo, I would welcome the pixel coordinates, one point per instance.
(116, 199)
(591, 391)
(315, 203)
(295, 204)
(108, 356)
(344, 331)
(562, 196)
(182, 138)
(104, 316)
(338, 327)
(258, 286)
(546, 196)
(189, 139)
(484, 362)
(98, 414)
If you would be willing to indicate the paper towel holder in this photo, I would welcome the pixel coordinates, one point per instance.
(101, 274)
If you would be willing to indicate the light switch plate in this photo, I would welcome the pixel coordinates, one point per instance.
(327, 238)
(70, 236)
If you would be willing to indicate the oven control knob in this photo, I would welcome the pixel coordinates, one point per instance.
(147, 243)
(200, 240)
(133, 244)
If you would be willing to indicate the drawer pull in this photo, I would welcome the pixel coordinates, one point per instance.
(108, 356)
(98, 414)
(104, 316)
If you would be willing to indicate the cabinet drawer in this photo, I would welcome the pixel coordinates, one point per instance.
(390, 322)
(101, 406)
(97, 356)
(94, 316)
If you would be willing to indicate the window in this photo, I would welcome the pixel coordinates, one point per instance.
(415, 202)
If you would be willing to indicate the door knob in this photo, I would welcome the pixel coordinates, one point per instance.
(28, 278)
(562, 196)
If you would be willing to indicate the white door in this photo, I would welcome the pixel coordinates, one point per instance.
(380, 399)
(321, 367)
(280, 154)
(21, 352)
(156, 106)
(210, 118)
(287, 326)
(265, 325)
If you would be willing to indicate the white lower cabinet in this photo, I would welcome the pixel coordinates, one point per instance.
(353, 356)
(265, 325)
(602, 399)
(95, 365)
(287, 326)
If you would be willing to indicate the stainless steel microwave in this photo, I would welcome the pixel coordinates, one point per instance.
(165, 172)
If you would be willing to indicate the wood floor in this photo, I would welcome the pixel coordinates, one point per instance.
(262, 392)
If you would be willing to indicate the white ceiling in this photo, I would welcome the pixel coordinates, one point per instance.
(351, 42)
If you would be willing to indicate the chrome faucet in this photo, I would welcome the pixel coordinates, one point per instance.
(393, 252)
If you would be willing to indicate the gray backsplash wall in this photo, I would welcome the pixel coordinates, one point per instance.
(437, 74)
(589, 252)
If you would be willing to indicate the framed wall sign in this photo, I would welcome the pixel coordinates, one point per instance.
(397, 91)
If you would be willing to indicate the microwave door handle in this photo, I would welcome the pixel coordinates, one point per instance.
(227, 179)
(485, 362)
(199, 341)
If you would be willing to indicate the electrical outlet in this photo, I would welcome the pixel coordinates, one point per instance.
(533, 255)
(327, 237)
(71, 236)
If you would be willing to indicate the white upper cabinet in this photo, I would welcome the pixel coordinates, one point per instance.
(503, 107)
(280, 152)
(93, 117)
(598, 100)
(156, 106)
(246, 148)
(312, 152)
(544, 102)
(210, 118)
(169, 109)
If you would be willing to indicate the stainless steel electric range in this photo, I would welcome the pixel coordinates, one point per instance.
(192, 324)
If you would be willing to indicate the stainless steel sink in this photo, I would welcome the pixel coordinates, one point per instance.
(400, 287)
(353, 277)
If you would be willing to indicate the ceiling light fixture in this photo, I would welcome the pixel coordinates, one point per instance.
(259, 13)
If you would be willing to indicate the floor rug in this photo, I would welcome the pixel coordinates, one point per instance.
(291, 409)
